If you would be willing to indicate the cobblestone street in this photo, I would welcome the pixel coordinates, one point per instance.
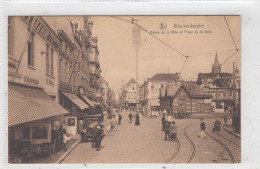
(146, 144)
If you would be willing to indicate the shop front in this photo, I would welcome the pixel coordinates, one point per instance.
(32, 114)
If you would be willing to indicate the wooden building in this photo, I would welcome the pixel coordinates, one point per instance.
(186, 98)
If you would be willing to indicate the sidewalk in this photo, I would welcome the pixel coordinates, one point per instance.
(57, 157)
(229, 128)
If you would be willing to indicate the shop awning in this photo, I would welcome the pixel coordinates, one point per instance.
(29, 104)
(76, 100)
(154, 103)
(91, 103)
(96, 103)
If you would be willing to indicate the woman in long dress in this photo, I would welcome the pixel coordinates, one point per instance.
(137, 120)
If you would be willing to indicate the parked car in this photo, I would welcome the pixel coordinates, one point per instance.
(90, 123)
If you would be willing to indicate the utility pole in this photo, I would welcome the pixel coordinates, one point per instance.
(136, 44)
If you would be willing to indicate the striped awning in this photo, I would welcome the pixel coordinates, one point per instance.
(76, 100)
(27, 104)
(91, 103)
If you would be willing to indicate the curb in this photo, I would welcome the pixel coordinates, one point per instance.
(231, 132)
(67, 152)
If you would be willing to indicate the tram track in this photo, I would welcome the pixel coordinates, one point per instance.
(228, 139)
(224, 146)
(192, 149)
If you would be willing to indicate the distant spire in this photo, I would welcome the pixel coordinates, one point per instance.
(216, 67)
(216, 60)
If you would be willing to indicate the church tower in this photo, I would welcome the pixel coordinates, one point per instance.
(216, 67)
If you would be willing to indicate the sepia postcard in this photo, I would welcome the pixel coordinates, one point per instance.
(124, 89)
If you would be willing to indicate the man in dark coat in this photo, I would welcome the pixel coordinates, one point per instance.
(99, 137)
(167, 130)
(202, 129)
(163, 122)
(119, 119)
(130, 117)
(94, 137)
(137, 120)
(218, 126)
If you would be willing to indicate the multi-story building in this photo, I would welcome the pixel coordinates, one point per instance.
(128, 94)
(219, 85)
(151, 88)
(33, 81)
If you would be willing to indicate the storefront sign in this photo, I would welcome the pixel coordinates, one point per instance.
(43, 30)
(31, 81)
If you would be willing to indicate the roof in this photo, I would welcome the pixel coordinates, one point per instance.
(192, 89)
(76, 100)
(220, 79)
(165, 77)
(195, 90)
(130, 82)
(27, 104)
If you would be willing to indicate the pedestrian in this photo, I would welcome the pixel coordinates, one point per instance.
(99, 137)
(137, 120)
(119, 119)
(140, 118)
(65, 138)
(225, 120)
(163, 122)
(173, 131)
(94, 137)
(167, 130)
(202, 129)
(218, 126)
(130, 117)
(56, 135)
(83, 135)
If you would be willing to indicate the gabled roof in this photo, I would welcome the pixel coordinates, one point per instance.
(192, 89)
(165, 77)
(130, 82)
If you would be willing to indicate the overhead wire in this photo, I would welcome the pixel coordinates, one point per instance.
(230, 33)
(145, 30)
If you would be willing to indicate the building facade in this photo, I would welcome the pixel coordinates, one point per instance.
(33, 82)
(219, 85)
(151, 89)
(185, 98)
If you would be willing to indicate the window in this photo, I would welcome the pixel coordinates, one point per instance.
(39, 133)
(66, 71)
(52, 62)
(47, 59)
(9, 36)
(26, 133)
(61, 69)
(31, 51)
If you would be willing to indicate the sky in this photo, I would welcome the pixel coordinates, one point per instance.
(118, 55)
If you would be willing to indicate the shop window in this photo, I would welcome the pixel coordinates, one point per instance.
(31, 58)
(26, 133)
(39, 133)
